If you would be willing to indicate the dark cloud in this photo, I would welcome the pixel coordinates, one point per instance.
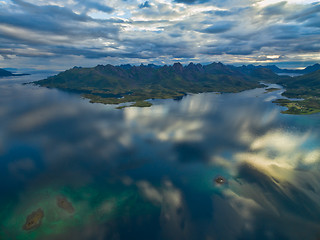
(219, 3)
(52, 10)
(222, 13)
(275, 9)
(56, 20)
(49, 29)
(234, 50)
(284, 31)
(146, 4)
(219, 27)
(97, 6)
(175, 35)
(314, 23)
(189, 1)
(310, 12)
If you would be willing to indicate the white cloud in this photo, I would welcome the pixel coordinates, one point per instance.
(279, 141)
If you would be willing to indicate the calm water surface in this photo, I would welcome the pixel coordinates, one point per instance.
(148, 173)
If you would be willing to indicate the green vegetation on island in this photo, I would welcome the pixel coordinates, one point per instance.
(306, 88)
(268, 90)
(135, 84)
(120, 84)
(305, 106)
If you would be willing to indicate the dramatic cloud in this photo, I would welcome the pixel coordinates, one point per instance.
(219, 27)
(34, 33)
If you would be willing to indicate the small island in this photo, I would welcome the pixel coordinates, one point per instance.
(64, 204)
(268, 90)
(33, 220)
(220, 180)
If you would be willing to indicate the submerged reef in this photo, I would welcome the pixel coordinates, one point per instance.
(33, 220)
(63, 203)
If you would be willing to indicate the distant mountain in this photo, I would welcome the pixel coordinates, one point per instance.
(275, 69)
(306, 87)
(259, 72)
(5, 73)
(306, 70)
(311, 69)
(301, 86)
(125, 83)
(11, 69)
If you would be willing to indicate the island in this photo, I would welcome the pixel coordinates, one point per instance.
(268, 90)
(64, 204)
(121, 84)
(33, 221)
(220, 180)
(304, 92)
(110, 84)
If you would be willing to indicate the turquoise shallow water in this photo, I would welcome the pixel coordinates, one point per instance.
(148, 173)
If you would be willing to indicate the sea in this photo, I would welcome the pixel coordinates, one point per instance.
(209, 166)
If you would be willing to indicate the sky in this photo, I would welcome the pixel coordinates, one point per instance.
(57, 35)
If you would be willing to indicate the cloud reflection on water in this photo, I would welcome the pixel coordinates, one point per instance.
(164, 153)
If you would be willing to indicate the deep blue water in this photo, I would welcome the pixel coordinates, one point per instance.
(148, 173)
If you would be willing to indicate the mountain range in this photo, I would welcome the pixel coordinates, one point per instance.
(307, 89)
(301, 86)
(275, 69)
(126, 83)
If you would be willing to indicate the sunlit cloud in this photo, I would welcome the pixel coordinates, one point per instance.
(160, 32)
(279, 141)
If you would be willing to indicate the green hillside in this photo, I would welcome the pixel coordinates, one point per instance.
(115, 84)
(306, 87)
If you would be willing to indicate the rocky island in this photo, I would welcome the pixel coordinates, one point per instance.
(64, 204)
(220, 180)
(33, 221)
